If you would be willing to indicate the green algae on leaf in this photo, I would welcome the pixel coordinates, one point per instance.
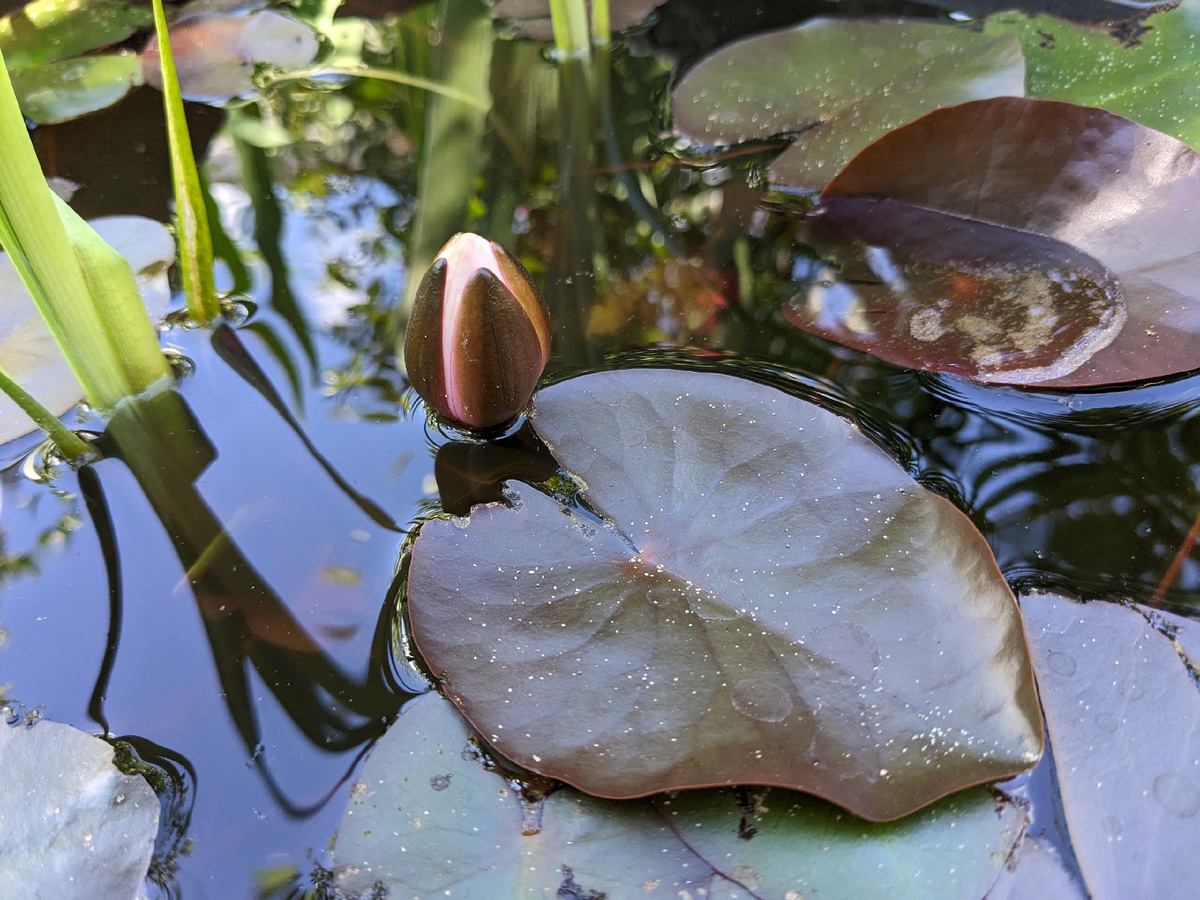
(1105, 208)
(842, 83)
(1122, 708)
(769, 599)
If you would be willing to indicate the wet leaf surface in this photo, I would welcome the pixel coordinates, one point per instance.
(782, 844)
(71, 824)
(428, 819)
(1150, 76)
(27, 350)
(1122, 709)
(842, 82)
(1113, 199)
(772, 600)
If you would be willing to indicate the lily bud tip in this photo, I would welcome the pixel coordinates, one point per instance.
(478, 338)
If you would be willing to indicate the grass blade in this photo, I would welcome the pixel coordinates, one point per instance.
(195, 239)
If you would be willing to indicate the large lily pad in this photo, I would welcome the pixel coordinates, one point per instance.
(1114, 210)
(845, 82)
(71, 825)
(1123, 711)
(772, 600)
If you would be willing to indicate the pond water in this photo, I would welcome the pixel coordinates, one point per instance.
(220, 590)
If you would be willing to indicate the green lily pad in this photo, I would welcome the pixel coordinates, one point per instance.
(1151, 81)
(1108, 210)
(27, 350)
(47, 30)
(843, 83)
(72, 826)
(1122, 710)
(427, 819)
(770, 599)
(782, 844)
(70, 88)
(430, 818)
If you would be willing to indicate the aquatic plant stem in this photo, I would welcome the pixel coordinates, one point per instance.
(404, 78)
(1184, 551)
(195, 239)
(570, 21)
(72, 445)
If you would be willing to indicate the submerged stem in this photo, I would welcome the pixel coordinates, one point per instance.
(72, 445)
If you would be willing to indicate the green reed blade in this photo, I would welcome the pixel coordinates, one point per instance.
(95, 316)
(195, 239)
(570, 21)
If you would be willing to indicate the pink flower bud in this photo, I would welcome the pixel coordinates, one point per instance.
(479, 334)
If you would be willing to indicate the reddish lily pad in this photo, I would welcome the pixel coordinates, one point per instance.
(770, 600)
(1112, 215)
(843, 83)
(215, 54)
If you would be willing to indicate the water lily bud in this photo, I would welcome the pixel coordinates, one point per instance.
(479, 334)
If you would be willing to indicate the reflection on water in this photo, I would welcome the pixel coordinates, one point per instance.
(931, 291)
